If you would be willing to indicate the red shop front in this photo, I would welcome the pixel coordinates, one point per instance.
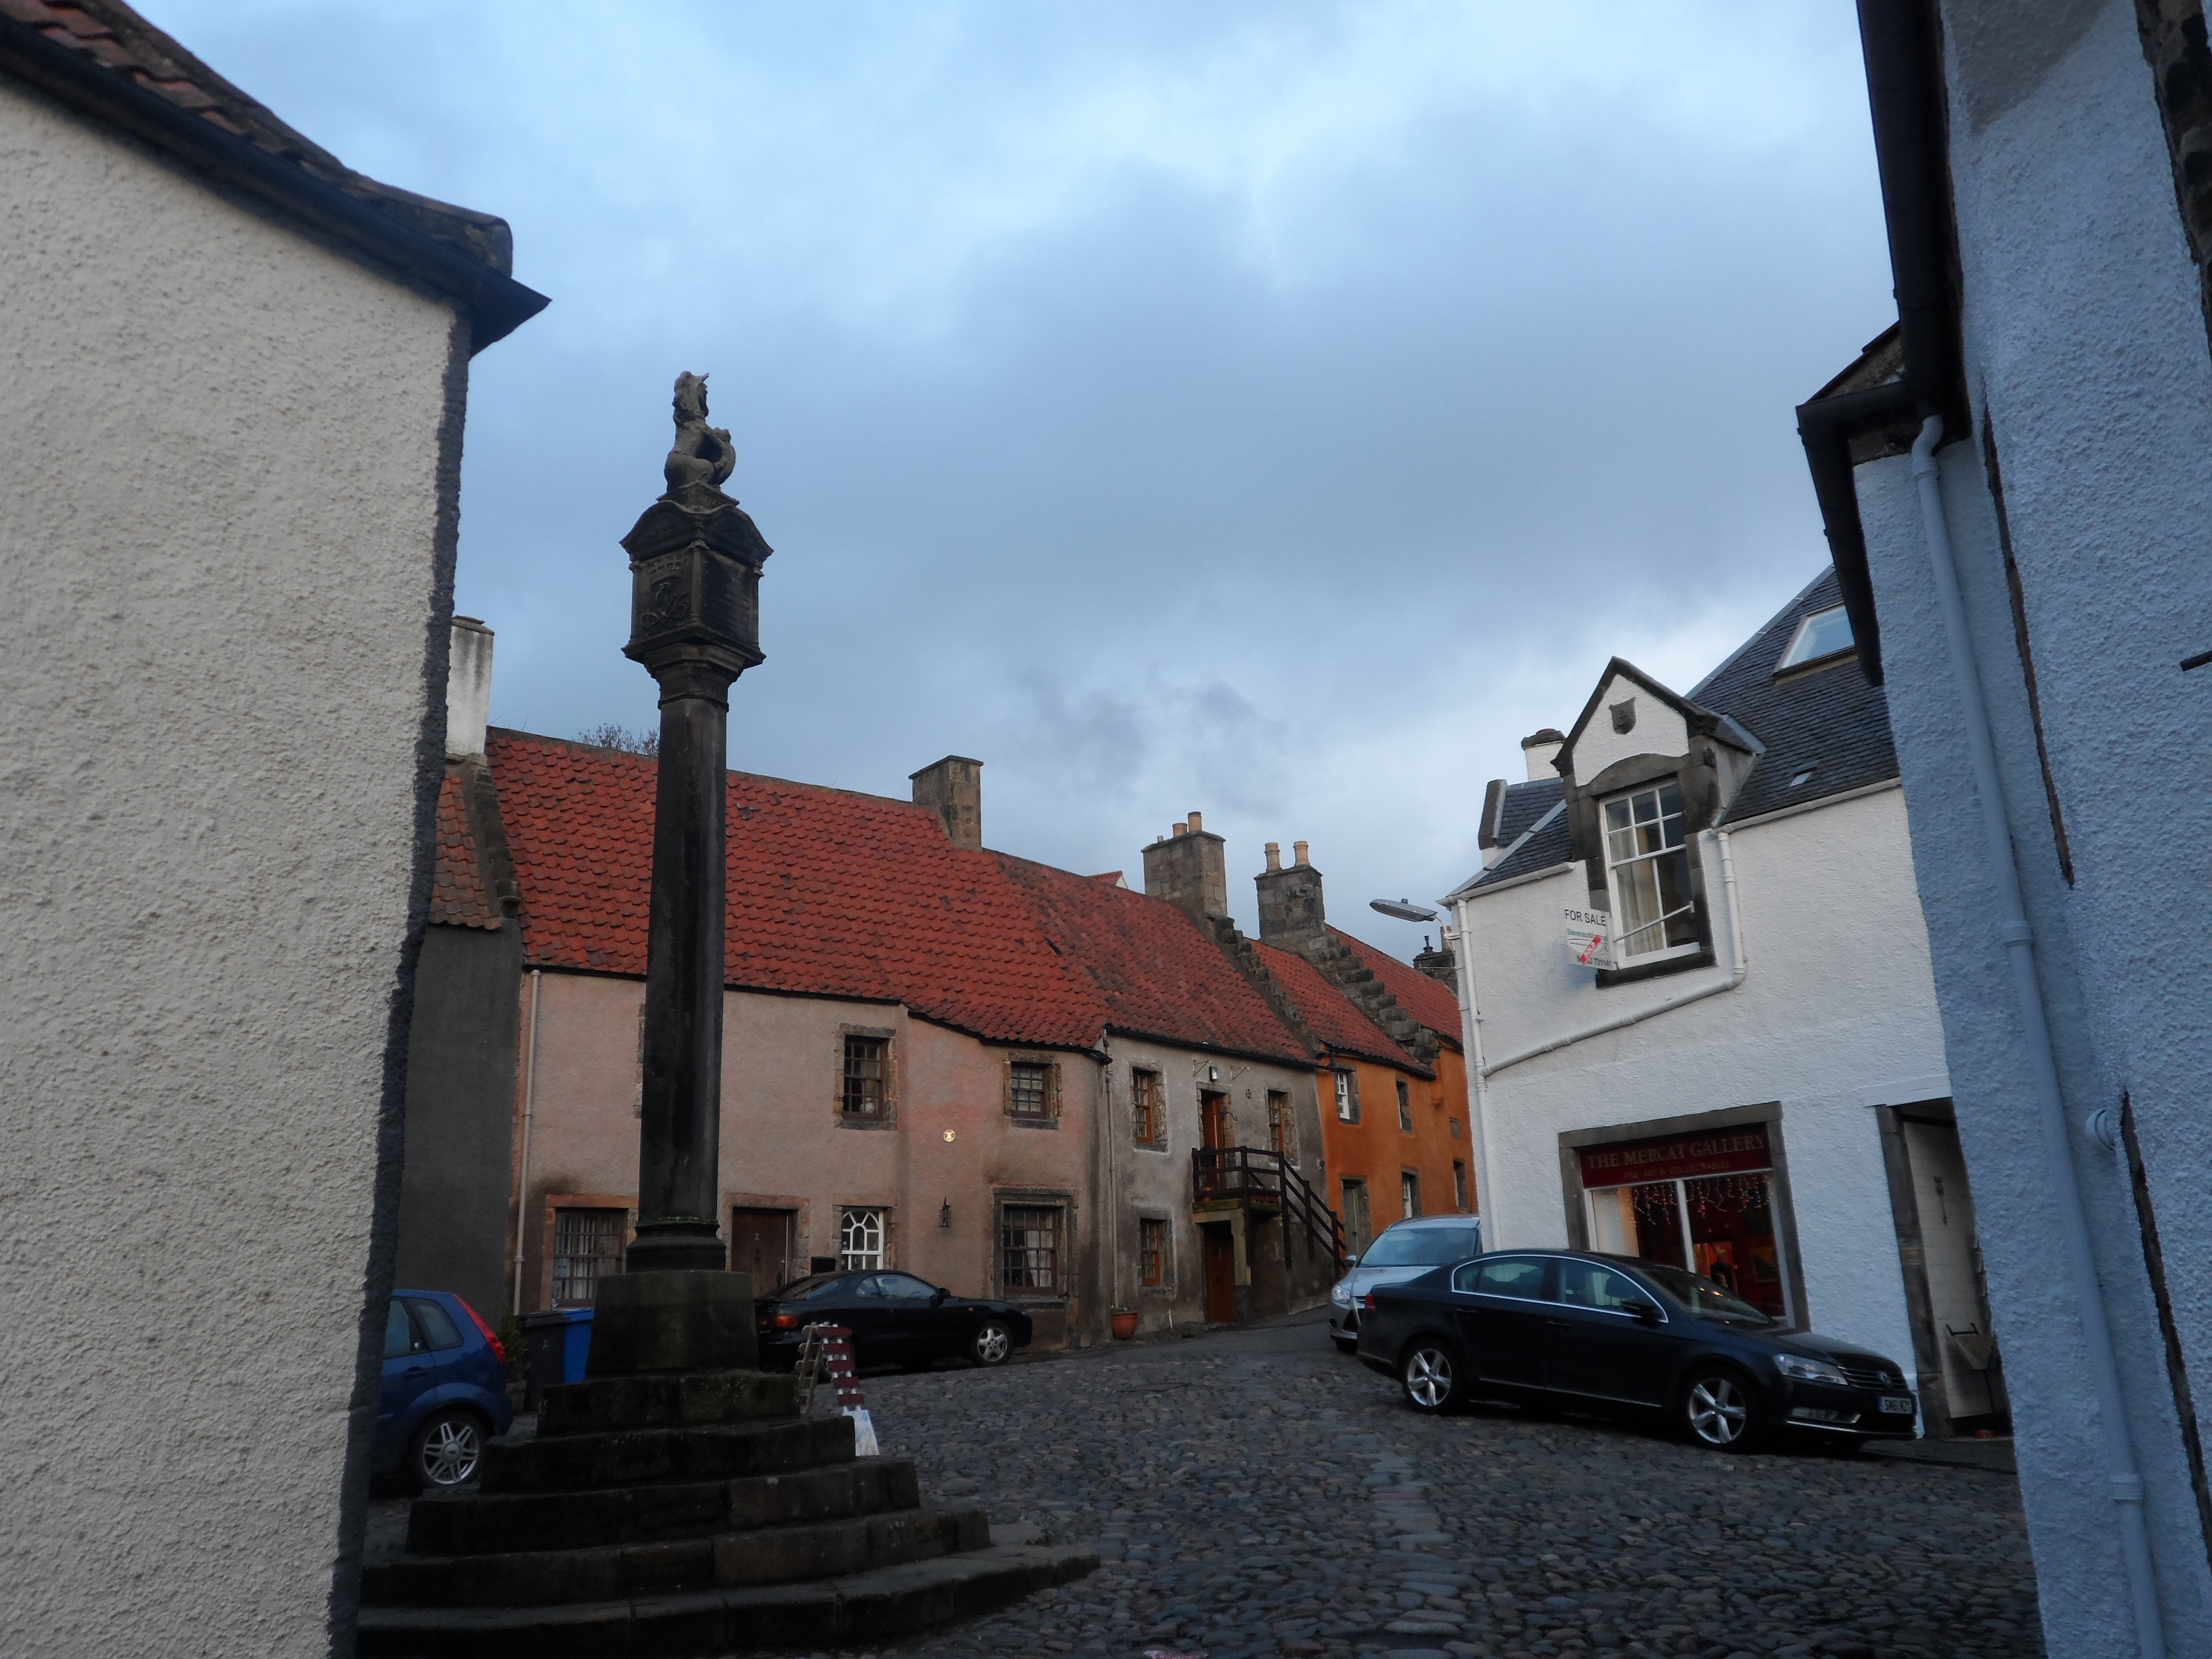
(1701, 1201)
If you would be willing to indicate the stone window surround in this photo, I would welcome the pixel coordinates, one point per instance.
(1345, 1090)
(1052, 1089)
(1030, 1197)
(552, 1201)
(888, 1118)
(1767, 1115)
(1165, 1222)
(1158, 1142)
(1698, 781)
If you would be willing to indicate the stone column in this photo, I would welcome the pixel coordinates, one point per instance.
(695, 558)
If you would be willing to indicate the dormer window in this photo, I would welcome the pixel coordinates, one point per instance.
(1648, 869)
(1824, 633)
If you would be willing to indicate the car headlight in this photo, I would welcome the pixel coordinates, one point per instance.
(1809, 1370)
(1341, 1294)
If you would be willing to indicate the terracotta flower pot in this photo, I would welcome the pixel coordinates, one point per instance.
(1125, 1326)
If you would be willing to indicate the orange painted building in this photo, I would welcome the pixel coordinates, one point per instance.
(1392, 1072)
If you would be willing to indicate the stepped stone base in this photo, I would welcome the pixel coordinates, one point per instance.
(684, 1514)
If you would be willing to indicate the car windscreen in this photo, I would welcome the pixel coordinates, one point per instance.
(1421, 1247)
(1701, 1295)
(813, 1284)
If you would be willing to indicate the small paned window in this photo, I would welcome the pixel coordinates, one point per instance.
(1405, 1108)
(1030, 1243)
(866, 1064)
(1409, 1194)
(1347, 1099)
(1648, 867)
(1454, 1129)
(1028, 1090)
(1278, 1121)
(860, 1240)
(1459, 1184)
(1147, 1108)
(588, 1247)
(1153, 1253)
(1823, 634)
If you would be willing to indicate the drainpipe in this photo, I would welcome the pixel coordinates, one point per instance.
(1477, 1103)
(2125, 1482)
(529, 1097)
(1740, 965)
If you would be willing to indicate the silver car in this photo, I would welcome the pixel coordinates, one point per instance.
(1406, 1249)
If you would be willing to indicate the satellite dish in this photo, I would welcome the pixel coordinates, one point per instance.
(1400, 909)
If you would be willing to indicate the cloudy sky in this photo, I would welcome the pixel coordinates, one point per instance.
(1277, 409)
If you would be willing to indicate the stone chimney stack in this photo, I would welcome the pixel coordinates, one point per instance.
(1538, 749)
(468, 689)
(1290, 911)
(1189, 870)
(953, 789)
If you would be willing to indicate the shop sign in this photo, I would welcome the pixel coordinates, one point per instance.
(1678, 1157)
(1589, 938)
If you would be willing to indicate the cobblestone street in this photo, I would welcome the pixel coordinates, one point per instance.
(1254, 1493)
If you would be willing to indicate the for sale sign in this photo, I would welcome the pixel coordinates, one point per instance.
(1589, 938)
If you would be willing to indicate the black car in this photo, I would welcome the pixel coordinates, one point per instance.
(896, 1319)
(1559, 1327)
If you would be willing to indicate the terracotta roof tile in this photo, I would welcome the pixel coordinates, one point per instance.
(1332, 1017)
(1425, 998)
(458, 897)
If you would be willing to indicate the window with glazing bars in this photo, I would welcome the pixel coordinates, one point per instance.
(588, 1247)
(1029, 1241)
(866, 1063)
(1347, 1099)
(1147, 1108)
(1648, 866)
(1153, 1253)
(1028, 1088)
(1409, 1190)
(1459, 1184)
(860, 1240)
(1278, 1121)
(1405, 1108)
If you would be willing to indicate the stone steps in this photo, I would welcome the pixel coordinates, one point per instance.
(883, 1602)
(643, 1457)
(737, 1560)
(474, 1524)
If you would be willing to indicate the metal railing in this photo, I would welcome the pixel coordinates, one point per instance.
(1261, 1175)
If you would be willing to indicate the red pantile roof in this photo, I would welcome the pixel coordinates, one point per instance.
(1156, 972)
(1327, 1012)
(457, 897)
(1425, 998)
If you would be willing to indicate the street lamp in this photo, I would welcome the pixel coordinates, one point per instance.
(1401, 910)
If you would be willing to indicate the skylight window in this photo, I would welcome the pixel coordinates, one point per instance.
(1823, 634)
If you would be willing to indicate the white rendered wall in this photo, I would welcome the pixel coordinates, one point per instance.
(220, 460)
(1838, 1008)
(1659, 729)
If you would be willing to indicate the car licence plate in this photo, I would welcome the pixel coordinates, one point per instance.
(1900, 1405)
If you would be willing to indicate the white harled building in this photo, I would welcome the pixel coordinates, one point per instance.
(1699, 1011)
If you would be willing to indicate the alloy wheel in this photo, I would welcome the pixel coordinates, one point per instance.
(992, 1345)
(1429, 1378)
(452, 1448)
(1718, 1413)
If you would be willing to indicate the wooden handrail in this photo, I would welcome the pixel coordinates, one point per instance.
(1262, 1173)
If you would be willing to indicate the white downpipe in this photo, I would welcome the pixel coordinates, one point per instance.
(529, 1099)
(2124, 1481)
(1740, 966)
(1478, 1104)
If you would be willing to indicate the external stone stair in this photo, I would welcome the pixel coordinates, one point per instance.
(684, 1514)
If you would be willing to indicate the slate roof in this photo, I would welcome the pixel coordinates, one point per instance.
(458, 895)
(1156, 972)
(103, 59)
(1527, 806)
(1830, 722)
(1425, 998)
(1327, 1012)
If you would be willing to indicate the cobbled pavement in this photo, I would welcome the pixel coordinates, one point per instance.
(1254, 1492)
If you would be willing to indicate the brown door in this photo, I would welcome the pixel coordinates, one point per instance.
(760, 1244)
(1220, 1277)
(1213, 1117)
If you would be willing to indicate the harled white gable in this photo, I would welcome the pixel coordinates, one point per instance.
(1659, 729)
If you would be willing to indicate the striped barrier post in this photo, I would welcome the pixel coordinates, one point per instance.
(836, 1356)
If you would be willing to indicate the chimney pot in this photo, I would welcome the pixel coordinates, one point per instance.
(953, 789)
(1197, 823)
(1183, 829)
(1299, 852)
(468, 687)
(1275, 855)
(1539, 748)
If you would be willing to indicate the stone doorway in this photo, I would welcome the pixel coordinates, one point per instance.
(763, 1244)
(1220, 1274)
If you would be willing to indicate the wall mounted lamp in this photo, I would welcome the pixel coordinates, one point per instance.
(945, 1214)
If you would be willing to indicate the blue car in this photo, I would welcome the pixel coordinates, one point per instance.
(445, 1390)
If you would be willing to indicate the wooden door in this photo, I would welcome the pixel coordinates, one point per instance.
(760, 1244)
(1213, 1118)
(1220, 1276)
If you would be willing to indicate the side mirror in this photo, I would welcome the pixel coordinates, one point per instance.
(1350, 1262)
(1647, 1313)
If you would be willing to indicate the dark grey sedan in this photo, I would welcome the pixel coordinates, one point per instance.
(1559, 1327)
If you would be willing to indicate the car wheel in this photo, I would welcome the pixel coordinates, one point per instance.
(1717, 1409)
(447, 1450)
(1430, 1372)
(994, 1343)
